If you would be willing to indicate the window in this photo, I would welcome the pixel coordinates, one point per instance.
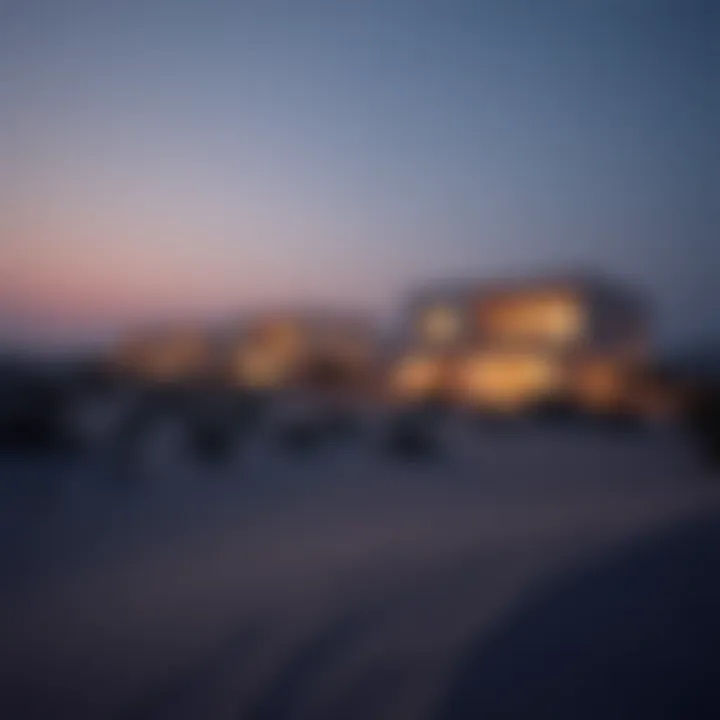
(440, 325)
(415, 376)
(544, 318)
(508, 380)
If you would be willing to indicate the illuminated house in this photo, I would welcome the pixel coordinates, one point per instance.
(283, 349)
(501, 345)
(511, 344)
(166, 355)
(272, 350)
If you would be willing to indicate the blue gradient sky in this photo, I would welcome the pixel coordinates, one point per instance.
(195, 157)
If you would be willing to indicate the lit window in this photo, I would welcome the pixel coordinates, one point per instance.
(599, 384)
(545, 318)
(174, 357)
(509, 380)
(284, 337)
(261, 368)
(416, 376)
(441, 325)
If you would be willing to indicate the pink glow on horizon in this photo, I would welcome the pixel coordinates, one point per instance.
(89, 287)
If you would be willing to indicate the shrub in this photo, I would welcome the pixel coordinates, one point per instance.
(702, 418)
(211, 440)
(411, 437)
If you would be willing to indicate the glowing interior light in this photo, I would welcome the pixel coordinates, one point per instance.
(261, 368)
(441, 324)
(600, 384)
(508, 380)
(416, 375)
(545, 318)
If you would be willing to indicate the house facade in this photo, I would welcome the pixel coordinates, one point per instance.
(281, 349)
(267, 351)
(167, 354)
(505, 345)
(510, 344)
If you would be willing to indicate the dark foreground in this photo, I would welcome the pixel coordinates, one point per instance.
(550, 574)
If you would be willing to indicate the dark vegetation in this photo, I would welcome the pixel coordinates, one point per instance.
(557, 411)
(211, 439)
(248, 408)
(620, 420)
(302, 436)
(412, 436)
(37, 406)
(702, 419)
(486, 419)
(35, 416)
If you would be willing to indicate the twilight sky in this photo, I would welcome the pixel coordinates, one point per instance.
(197, 157)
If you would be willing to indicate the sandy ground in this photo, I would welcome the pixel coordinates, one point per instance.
(347, 585)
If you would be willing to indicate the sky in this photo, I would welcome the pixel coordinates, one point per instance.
(176, 158)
